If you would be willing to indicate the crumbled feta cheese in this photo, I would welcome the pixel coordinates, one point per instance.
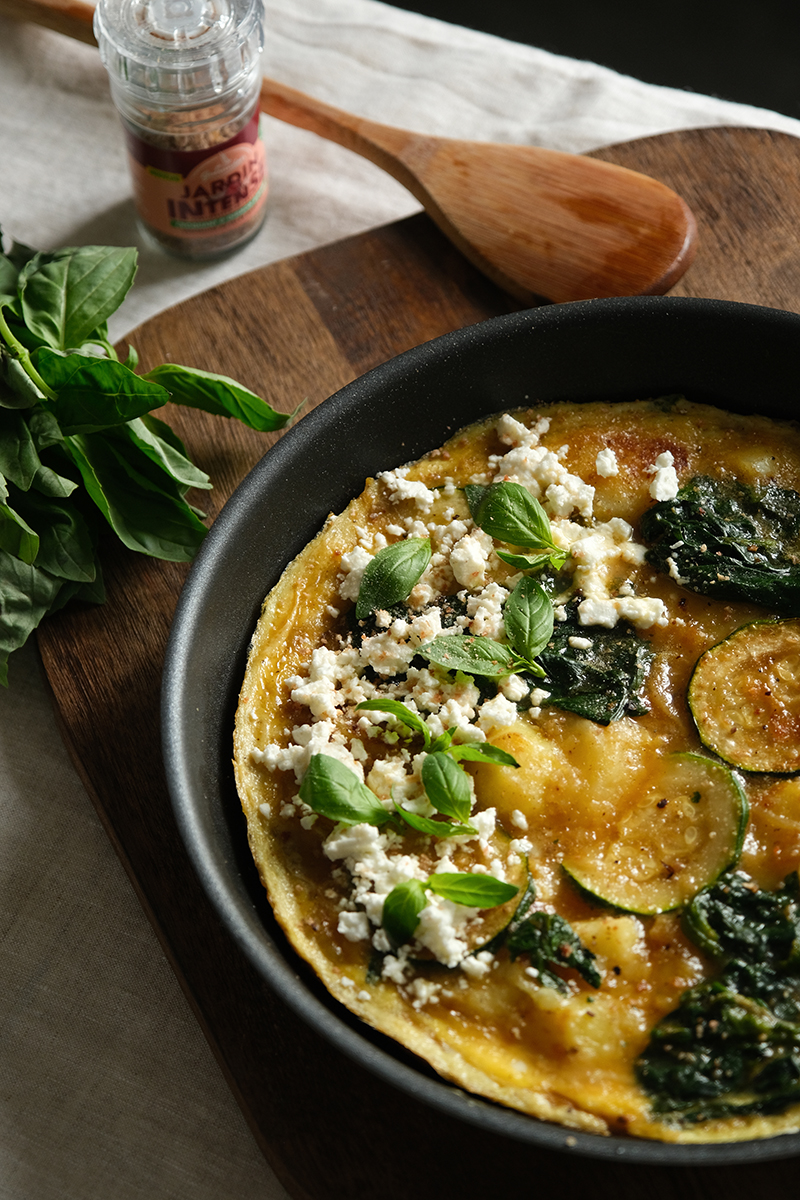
(353, 564)
(514, 688)
(606, 463)
(423, 991)
(477, 965)
(486, 611)
(496, 713)
(401, 488)
(665, 480)
(354, 926)
(469, 558)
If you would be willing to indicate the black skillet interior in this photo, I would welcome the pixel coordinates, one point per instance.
(738, 356)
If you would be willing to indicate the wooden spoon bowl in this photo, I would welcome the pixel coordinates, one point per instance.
(540, 223)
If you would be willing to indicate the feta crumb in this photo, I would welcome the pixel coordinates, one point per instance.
(401, 488)
(477, 965)
(354, 926)
(665, 479)
(353, 565)
(606, 463)
(496, 713)
(519, 819)
(579, 643)
(469, 558)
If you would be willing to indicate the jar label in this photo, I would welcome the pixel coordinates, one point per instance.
(201, 193)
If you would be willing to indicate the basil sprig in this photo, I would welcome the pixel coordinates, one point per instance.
(509, 513)
(404, 904)
(528, 619)
(389, 577)
(333, 790)
(79, 446)
(471, 751)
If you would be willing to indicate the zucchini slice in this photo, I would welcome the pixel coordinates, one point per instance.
(683, 833)
(744, 696)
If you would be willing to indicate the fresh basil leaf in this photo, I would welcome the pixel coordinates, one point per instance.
(16, 535)
(147, 513)
(95, 393)
(81, 593)
(443, 742)
(18, 254)
(401, 712)
(26, 594)
(526, 562)
(447, 786)
(333, 790)
(508, 512)
(474, 891)
(66, 545)
(433, 828)
(17, 389)
(401, 910)
(163, 453)
(472, 655)
(19, 461)
(389, 577)
(528, 619)
(50, 483)
(218, 394)
(9, 275)
(45, 429)
(482, 752)
(68, 294)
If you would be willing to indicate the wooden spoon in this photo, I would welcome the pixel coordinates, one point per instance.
(540, 223)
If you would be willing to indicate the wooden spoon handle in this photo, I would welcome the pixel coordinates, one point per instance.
(381, 144)
(70, 17)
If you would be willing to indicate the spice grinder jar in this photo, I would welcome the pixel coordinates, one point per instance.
(185, 78)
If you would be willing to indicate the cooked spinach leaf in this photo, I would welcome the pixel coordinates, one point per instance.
(548, 940)
(601, 681)
(724, 539)
(732, 1046)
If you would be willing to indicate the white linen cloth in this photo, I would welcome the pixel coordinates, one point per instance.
(107, 1085)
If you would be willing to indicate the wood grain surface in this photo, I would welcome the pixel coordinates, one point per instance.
(303, 328)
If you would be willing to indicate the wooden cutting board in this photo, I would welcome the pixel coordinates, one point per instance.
(304, 327)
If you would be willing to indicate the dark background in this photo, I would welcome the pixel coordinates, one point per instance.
(745, 50)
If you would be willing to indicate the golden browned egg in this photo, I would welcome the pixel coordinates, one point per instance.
(605, 830)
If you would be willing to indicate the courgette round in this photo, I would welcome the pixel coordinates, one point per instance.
(744, 696)
(682, 834)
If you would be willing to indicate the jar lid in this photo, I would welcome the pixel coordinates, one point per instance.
(177, 52)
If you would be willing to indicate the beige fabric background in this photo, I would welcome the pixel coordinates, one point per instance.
(107, 1087)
